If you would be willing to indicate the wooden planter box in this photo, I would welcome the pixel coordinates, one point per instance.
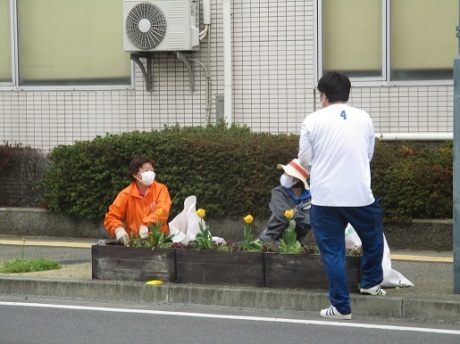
(220, 268)
(110, 262)
(302, 271)
(251, 269)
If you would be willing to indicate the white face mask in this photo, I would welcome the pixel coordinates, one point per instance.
(147, 178)
(287, 181)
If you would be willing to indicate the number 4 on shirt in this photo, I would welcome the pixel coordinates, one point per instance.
(343, 114)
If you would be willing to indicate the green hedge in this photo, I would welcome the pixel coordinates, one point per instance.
(21, 168)
(232, 171)
(414, 180)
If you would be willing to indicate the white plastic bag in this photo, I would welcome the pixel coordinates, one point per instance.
(352, 239)
(179, 225)
(186, 225)
(391, 278)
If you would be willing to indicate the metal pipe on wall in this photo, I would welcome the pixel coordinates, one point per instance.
(414, 136)
(456, 165)
(228, 87)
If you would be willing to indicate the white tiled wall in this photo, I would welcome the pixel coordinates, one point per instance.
(416, 109)
(273, 83)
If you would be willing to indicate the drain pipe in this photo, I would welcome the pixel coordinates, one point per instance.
(227, 23)
(414, 136)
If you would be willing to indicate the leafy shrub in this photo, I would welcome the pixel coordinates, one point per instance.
(414, 180)
(232, 171)
(20, 170)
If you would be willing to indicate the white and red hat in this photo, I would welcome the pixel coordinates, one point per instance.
(294, 169)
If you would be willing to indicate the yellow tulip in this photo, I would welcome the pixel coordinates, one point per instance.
(289, 214)
(201, 213)
(248, 219)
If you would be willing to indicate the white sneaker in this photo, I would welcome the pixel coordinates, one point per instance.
(333, 313)
(376, 290)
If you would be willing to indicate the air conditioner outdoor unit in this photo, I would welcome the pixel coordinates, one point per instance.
(160, 25)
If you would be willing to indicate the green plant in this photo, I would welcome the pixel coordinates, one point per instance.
(228, 247)
(155, 239)
(203, 240)
(248, 243)
(288, 242)
(158, 239)
(28, 265)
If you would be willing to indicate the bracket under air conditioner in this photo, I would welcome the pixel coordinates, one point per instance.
(148, 73)
(188, 65)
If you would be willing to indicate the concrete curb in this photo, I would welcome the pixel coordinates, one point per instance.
(261, 298)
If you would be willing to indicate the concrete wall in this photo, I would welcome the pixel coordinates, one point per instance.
(430, 235)
(40, 222)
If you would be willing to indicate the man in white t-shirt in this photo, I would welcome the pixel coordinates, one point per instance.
(336, 146)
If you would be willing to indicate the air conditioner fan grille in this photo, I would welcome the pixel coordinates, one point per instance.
(145, 26)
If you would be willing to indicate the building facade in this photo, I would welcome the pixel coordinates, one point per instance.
(65, 76)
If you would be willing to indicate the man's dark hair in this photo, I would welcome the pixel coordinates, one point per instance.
(336, 86)
(136, 164)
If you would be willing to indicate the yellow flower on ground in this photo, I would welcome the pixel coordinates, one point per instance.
(289, 214)
(248, 219)
(201, 213)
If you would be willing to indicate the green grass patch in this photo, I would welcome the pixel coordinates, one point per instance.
(28, 265)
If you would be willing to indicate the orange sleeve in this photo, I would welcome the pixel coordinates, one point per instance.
(117, 212)
(162, 208)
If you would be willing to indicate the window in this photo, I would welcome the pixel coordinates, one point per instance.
(423, 42)
(68, 43)
(6, 75)
(388, 40)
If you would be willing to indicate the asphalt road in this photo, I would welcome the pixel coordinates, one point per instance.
(47, 321)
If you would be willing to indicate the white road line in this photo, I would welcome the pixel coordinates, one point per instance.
(233, 317)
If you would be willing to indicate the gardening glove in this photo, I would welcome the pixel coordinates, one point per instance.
(121, 235)
(143, 231)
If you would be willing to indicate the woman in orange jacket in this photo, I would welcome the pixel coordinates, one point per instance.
(143, 202)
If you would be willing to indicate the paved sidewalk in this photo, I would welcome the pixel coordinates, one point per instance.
(431, 298)
(47, 241)
(424, 256)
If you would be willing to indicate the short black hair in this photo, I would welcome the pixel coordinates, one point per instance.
(336, 86)
(136, 164)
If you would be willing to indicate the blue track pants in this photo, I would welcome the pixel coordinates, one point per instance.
(329, 225)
